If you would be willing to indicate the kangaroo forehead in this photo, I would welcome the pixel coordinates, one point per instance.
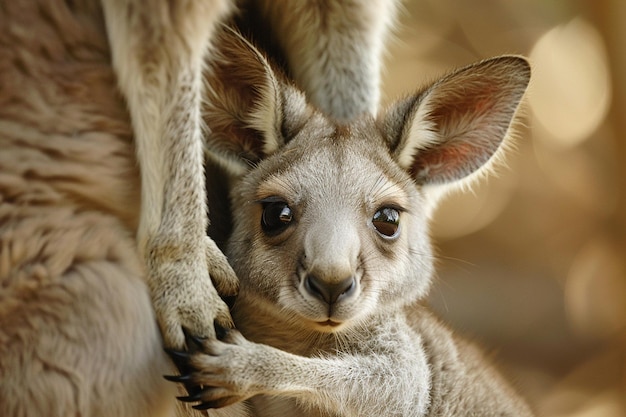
(336, 171)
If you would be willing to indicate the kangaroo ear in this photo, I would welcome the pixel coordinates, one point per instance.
(453, 128)
(250, 110)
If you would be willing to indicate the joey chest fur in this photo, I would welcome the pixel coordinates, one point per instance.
(332, 235)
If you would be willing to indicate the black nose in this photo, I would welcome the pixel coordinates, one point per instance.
(329, 292)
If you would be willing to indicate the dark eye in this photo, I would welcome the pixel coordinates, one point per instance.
(386, 221)
(277, 215)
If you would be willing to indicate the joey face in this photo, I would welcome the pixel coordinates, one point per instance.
(330, 221)
(332, 235)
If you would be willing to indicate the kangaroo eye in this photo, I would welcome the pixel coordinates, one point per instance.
(276, 217)
(386, 222)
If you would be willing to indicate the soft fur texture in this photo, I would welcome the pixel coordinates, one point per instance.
(102, 197)
(330, 241)
(78, 334)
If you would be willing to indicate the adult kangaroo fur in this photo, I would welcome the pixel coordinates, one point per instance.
(102, 190)
(331, 246)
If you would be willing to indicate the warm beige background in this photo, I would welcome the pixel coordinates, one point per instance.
(534, 263)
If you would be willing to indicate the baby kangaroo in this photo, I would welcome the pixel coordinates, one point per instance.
(331, 244)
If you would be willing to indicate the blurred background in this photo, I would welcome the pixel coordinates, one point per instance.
(533, 264)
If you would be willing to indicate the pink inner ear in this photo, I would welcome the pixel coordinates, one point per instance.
(448, 163)
(471, 128)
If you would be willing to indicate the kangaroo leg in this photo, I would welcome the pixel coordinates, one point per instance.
(157, 50)
(334, 49)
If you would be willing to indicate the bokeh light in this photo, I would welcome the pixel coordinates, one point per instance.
(532, 263)
(571, 88)
(595, 291)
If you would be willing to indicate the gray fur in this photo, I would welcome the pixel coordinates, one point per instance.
(329, 305)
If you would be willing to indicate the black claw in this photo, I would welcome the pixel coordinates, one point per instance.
(189, 398)
(179, 378)
(203, 406)
(220, 331)
(193, 389)
(196, 396)
(180, 358)
(196, 340)
(178, 355)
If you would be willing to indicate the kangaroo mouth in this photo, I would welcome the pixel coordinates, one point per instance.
(330, 323)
